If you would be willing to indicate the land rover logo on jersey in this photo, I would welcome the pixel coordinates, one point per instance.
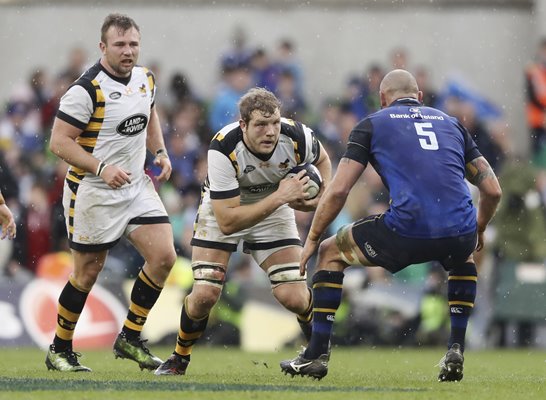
(115, 95)
(133, 125)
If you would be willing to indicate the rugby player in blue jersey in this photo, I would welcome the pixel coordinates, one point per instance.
(423, 157)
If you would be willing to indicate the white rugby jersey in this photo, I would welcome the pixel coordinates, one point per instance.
(113, 114)
(234, 170)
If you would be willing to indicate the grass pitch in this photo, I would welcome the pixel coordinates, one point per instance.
(219, 373)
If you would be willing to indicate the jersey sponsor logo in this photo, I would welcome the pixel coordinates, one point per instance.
(265, 164)
(370, 250)
(133, 125)
(285, 164)
(456, 310)
(249, 168)
(260, 188)
(115, 95)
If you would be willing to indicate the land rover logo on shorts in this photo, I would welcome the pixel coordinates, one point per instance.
(115, 95)
(133, 125)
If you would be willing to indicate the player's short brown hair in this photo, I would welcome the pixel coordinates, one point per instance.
(258, 99)
(120, 21)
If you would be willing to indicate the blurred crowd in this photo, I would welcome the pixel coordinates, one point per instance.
(31, 179)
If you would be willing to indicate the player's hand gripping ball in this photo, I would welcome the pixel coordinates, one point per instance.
(315, 179)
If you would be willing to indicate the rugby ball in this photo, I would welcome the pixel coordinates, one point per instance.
(315, 179)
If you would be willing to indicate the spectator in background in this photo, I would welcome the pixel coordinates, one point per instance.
(236, 79)
(77, 61)
(399, 58)
(362, 94)
(286, 60)
(35, 239)
(372, 80)
(239, 52)
(465, 112)
(422, 76)
(265, 73)
(293, 104)
(185, 144)
(535, 94)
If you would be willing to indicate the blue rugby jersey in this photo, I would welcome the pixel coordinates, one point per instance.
(420, 154)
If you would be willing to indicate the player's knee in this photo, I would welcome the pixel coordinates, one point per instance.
(203, 298)
(293, 294)
(325, 252)
(292, 298)
(168, 259)
(85, 279)
(164, 260)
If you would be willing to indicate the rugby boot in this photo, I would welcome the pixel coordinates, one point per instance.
(64, 361)
(135, 350)
(316, 368)
(451, 365)
(174, 365)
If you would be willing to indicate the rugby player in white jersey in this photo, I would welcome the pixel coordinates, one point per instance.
(105, 124)
(245, 198)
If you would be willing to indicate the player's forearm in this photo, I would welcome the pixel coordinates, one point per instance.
(235, 219)
(154, 136)
(67, 149)
(2, 200)
(487, 207)
(328, 209)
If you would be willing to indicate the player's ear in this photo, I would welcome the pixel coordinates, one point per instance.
(242, 124)
(102, 46)
(420, 96)
(383, 99)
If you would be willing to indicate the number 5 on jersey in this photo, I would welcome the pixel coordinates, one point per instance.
(428, 140)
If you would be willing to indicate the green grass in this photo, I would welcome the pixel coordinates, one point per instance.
(217, 373)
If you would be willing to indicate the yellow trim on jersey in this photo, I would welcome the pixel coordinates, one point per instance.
(289, 121)
(72, 177)
(93, 126)
(233, 159)
(219, 136)
(91, 142)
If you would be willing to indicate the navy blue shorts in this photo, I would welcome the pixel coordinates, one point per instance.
(385, 248)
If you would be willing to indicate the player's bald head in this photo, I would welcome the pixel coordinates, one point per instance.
(398, 84)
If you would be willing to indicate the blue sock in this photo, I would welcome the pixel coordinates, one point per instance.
(327, 286)
(461, 294)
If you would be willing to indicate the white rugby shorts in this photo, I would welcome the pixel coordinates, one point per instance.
(275, 232)
(96, 218)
